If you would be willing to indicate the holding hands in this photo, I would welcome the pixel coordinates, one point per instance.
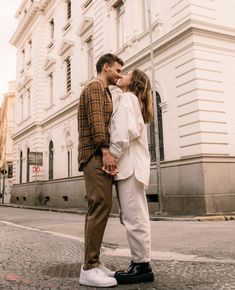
(109, 162)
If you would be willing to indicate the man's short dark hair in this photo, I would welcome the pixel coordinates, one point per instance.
(108, 58)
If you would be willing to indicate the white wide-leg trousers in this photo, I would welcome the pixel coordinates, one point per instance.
(134, 216)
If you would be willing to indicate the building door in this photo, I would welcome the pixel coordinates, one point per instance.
(27, 178)
(21, 165)
(51, 159)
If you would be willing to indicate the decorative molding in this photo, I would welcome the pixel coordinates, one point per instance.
(67, 130)
(86, 23)
(22, 5)
(50, 106)
(67, 133)
(26, 78)
(49, 62)
(25, 23)
(186, 29)
(69, 144)
(34, 9)
(44, 4)
(65, 46)
(65, 96)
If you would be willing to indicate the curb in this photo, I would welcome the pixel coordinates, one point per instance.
(74, 211)
(157, 217)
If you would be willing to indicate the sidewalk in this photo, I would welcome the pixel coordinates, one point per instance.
(153, 217)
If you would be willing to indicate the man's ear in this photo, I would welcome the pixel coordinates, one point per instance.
(106, 67)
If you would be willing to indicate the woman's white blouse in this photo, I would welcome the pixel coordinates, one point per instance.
(128, 138)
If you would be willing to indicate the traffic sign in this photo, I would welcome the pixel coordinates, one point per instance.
(4, 171)
(36, 169)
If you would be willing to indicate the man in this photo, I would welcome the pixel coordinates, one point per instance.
(94, 113)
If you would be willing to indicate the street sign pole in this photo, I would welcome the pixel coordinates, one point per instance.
(36, 183)
(156, 130)
(3, 183)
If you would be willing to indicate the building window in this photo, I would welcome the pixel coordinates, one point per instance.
(86, 3)
(51, 160)
(23, 59)
(21, 165)
(69, 163)
(51, 88)
(152, 144)
(29, 102)
(120, 10)
(68, 74)
(52, 29)
(10, 170)
(21, 107)
(69, 10)
(30, 52)
(28, 165)
(90, 58)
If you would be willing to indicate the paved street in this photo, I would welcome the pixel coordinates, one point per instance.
(44, 250)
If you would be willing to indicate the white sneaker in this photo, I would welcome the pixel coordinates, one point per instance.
(106, 270)
(96, 278)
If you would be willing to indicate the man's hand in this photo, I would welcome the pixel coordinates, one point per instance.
(109, 162)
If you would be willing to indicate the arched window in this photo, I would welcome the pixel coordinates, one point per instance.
(51, 159)
(21, 165)
(68, 163)
(69, 10)
(28, 166)
(152, 145)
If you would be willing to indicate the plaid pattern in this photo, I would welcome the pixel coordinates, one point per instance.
(94, 112)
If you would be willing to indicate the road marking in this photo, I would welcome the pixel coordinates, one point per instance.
(167, 256)
(125, 252)
(43, 231)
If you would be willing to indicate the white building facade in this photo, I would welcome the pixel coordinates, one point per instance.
(58, 43)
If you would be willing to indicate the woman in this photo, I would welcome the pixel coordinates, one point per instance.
(129, 144)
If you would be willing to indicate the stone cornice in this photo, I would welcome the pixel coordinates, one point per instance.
(23, 2)
(39, 125)
(30, 128)
(44, 4)
(188, 28)
(34, 9)
(200, 158)
(24, 24)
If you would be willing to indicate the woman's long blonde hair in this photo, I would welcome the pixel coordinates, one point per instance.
(141, 87)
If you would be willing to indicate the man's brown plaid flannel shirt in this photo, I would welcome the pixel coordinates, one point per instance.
(94, 112)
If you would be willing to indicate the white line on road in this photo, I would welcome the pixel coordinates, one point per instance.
(43, 231)
(125, 252)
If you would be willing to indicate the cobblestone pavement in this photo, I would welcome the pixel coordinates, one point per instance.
(33, 259)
